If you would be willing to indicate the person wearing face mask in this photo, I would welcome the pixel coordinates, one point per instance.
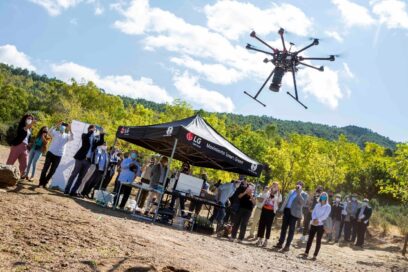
(308, 208)
(157, 181)
(292, 211)
(19, 144)
(83, 159)
(320, 213)
(130, 169)
(37, 149)
(224, 192)
(269, 208)
(336, 216)
(258, 210)
(350, 226)
(56, 150)
(363, 216)
(101, 161)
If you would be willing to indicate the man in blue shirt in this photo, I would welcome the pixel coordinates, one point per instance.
(130, 169)
(292, 211)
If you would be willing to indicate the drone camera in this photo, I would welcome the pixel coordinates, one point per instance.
(277, 79)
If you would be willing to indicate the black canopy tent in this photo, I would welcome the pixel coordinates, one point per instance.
(192, 140)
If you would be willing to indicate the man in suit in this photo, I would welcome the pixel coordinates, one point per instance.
(292, 211)
(83, 158)
(363, 217)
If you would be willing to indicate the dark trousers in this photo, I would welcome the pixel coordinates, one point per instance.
(182, 201)
(50, 166)
(241, 223)
(319, 230)
(354, 225)
(265, 223)
(80, 169)
(289, 221)
(195, 206)
(306, 223)
(348, 225)
(93, 182)
(361, 230)
(341, 227)
(125, 190)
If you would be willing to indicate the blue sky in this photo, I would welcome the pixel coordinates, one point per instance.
(194, 50)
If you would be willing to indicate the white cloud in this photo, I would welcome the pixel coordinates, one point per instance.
(354, 14)
(233, 18)
(347, 70)
(215, 73)
(118, 85)
(324, 86)
(55, 7)
(392, 13)
(11, 56)
(335, 35)
(191, 90)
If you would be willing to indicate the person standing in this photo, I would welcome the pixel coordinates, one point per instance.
(363, 216)
(320, 213)
(146, 172)
(336, 216)
(57, 149)
(247, 202)
(19, 144)
(37, 149)
(269, 209)
(350, 228)
(130, 169)
(292, 211)
(258, 210)
(224, 192)
(114, 157)
(157, 181)
(101, 161)
(83, 159)
(308, 208)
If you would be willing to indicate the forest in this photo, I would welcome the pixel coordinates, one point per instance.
(290, 151)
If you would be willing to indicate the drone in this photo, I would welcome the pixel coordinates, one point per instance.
(284, 61)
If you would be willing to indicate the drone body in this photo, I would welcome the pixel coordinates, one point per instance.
(284, 61)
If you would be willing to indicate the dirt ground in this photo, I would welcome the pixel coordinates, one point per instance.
(42, 230)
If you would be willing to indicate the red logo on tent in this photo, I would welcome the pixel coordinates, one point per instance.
(190, 136)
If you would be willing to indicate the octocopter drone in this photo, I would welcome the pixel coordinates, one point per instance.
(284, 61)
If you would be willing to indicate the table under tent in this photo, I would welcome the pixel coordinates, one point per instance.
(190, 140)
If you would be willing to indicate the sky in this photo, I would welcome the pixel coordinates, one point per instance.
(195, 50)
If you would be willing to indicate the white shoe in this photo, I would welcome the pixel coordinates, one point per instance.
(265, 243)
(259, 242)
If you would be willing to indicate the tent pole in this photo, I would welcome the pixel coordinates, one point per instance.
(106, 169)
(165, 178)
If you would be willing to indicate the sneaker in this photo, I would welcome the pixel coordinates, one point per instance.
(278, 246)
(286, 249)
(251, 236)
(304, 255)
(265, 243)
(240, 241)
(259, 242)
(314, 258)
(231, 239)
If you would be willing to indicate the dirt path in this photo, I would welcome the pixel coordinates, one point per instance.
(42, 230)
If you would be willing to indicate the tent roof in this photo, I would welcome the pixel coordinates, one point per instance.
(198, 143)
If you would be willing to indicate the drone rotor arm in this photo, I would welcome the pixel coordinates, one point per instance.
(331, 58)
(315, 42)
(283, 40)
(321, 68)
(249, 47)
(264, 43)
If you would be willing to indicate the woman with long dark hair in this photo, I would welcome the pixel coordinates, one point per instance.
(19, 144)
(38, 148)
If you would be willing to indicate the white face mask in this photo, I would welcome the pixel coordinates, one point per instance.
(28, 121)
(338, 199)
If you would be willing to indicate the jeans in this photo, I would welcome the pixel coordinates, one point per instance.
(50, 166)
(265, 223)
(313, 230)
(33, 157)
(241, 222)
(289, 221)
(80, 169)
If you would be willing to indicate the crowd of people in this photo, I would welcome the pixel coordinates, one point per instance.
(323, 213)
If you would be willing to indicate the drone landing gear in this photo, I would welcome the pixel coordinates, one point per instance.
(260, 89)
(297, 100)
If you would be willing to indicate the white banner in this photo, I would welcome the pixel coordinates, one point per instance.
(67, 163)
